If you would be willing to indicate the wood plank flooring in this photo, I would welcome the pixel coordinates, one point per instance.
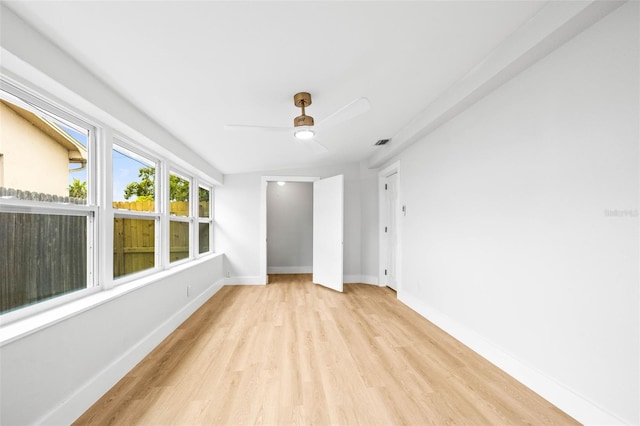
(292, 352)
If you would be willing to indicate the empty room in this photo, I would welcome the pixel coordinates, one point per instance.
(319, 212)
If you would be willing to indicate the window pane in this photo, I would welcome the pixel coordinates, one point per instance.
(178, 196)
(43, 158)
(41, 256)
(133, 182)
(178, 240)
(203, 198)
(133, 245)
(203, 240)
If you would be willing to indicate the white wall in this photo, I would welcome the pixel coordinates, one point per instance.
(52, 375)
(237, 225)
(289, 227)
(369, 225)
(238, 221)
(509, 242)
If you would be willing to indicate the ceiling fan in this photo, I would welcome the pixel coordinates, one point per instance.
(304, 128)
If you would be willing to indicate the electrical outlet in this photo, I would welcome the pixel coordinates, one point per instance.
(228, 274)
(188, 290)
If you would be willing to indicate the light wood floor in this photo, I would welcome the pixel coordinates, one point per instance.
(293, 352)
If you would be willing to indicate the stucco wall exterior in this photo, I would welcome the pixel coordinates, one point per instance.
(31, 160)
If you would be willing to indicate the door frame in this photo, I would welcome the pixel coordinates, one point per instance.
(262, 235)
(383, 249)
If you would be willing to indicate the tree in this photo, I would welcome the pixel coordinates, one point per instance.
(145, 188)
(178, 188)
(78, 189)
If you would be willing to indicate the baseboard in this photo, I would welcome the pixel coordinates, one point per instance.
(289, 269)
(97, 386)
(569, 401)
(369, 279)
(245, 280)
(360, 279)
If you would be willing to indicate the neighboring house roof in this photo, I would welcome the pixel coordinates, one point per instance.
(77, 152)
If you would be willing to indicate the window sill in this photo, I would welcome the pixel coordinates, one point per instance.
(32, 324)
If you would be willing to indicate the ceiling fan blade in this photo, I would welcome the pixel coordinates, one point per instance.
(244, 127)
(314, 146)
(352, 109)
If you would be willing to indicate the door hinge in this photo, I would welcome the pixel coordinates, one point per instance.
(385, 272)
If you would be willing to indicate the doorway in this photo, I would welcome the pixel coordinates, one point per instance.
(289, 227)
(328, 218)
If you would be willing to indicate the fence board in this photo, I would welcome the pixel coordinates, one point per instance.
(42, 256)
(133, 245)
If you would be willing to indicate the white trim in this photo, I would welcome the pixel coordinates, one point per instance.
(246, 280)
(289, 269)
(568, 400)
(23, 315)
(103, 255)
(360, 279)
(183, 219)
(94, 389)
(162, 239)
(14, 205)
(208, 220)
(128, 147)
(133, 214)
(123, 279)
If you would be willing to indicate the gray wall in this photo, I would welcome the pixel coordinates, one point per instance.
(289, 228)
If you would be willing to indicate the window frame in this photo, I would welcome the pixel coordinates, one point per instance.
(190, 219)
(41, 105)
(123, 143)
(208, 220)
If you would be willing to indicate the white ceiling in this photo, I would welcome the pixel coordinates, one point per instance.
(194, 66)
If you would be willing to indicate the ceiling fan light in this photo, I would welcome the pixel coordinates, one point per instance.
(304, 133)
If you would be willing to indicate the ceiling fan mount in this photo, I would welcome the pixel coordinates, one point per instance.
(302, 100)
(304, 125)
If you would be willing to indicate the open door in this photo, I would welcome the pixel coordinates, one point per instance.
(328, 215)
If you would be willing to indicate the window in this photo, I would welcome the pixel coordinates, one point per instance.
(135, 217)
(204, 220)
(47, 207)
(180, 217)
(50, 218)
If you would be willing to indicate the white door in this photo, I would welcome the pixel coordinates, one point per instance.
(391, 229)
(328, 214)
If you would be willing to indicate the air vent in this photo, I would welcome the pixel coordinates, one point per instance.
(382, 142)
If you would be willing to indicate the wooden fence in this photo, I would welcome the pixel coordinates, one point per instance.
(39, 196)
(45, 255)
(41, 256)
(133, 239)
